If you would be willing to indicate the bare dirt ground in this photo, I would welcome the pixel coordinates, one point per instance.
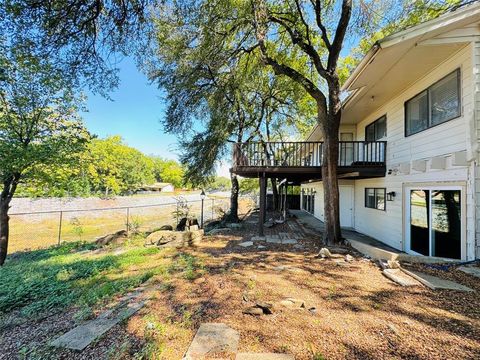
(351, 311)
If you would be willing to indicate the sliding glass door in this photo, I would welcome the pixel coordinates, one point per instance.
(434, 222)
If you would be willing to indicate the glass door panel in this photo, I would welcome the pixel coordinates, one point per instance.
(346, 149)
(419, 221)
(446, 223)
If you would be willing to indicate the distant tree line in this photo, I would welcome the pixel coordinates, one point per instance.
(106, 167)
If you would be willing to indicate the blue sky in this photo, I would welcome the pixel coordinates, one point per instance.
(134, 113)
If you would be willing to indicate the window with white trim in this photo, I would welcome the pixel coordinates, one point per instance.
(438, 104)
(375, 198)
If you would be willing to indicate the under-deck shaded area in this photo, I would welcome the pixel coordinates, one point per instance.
(293, 163)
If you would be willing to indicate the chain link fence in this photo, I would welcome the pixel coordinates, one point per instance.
(35, 230)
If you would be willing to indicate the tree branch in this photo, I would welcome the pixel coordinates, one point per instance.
(318, 18)
(297, 39)
(342, 26)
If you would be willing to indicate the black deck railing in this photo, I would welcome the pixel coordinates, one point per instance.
(307, 154)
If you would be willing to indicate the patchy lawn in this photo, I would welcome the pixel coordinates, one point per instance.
(359, 314)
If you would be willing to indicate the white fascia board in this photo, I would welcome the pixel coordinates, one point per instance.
(432, 25)
(418, 30)
(367, 59)
(445, 41)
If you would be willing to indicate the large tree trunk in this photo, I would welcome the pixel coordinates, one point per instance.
(332, 233)
(4, 227)
(9, 188)
(275, 194)
(233, 214)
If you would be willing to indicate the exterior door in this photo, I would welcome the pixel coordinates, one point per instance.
(434, 225)
(346, 206)
(346, 149)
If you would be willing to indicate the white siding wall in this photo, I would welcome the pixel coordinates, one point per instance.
(458, 135)
(318, 186)
(445, 139)
(476, 130)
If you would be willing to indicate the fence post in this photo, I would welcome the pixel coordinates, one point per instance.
(128, 221)
(60, 227)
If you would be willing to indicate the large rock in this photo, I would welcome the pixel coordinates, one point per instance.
(325, 253)
(176, 239)
(167, 227)
(112, 239)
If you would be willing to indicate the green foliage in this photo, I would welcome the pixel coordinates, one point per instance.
(115, 168)
(39, 126)
(106, 167)
(168, 171)
(229, 95)
(49, 280)
(219, 183)
(190, 266)
(249, 186)
(80, 37)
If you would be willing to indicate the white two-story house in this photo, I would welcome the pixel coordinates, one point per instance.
(417, 90)
(409, 142)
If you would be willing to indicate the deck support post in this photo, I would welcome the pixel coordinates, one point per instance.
(263, 204)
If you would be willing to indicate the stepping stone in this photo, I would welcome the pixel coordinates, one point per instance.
(82, 336)
(471, 270)
(257, 238)
(264, 356)
(289, 241)
(212, 338)
(435, 283)
(246, 244)
(273, 239)
(399, 277)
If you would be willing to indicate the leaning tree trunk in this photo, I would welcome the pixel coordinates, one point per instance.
(9, 187)
(233, 214)
(4, 227)
(332, 233)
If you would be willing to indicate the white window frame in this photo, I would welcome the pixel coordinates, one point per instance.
(463, 212)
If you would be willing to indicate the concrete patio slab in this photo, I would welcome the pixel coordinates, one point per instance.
(471, 270)
(212, 338)
(399, 277)
(264, 356)
(82, 336)
(436, 283)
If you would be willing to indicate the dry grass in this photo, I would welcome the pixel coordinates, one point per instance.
(31, 232)
(359, 314)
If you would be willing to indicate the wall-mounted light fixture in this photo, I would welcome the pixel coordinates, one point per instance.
(391, 195)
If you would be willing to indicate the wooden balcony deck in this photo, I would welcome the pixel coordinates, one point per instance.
(302, 161)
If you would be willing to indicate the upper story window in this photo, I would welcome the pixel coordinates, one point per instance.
(435, 105)
(376, 130)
